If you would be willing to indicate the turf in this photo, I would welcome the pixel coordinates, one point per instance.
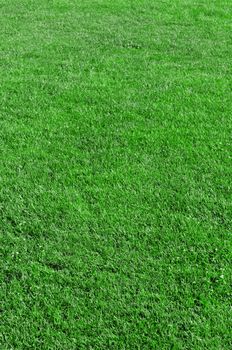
(115, 174)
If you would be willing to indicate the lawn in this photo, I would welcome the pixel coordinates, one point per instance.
(115, 174)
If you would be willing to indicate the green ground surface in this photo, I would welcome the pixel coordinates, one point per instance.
(115, 174)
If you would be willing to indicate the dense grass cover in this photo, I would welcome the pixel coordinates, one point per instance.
(115, 174)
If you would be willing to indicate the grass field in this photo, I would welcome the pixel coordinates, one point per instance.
(115, 174)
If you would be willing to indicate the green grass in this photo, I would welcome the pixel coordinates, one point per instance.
(115, 174)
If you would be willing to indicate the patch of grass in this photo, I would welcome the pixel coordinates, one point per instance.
(115, 174)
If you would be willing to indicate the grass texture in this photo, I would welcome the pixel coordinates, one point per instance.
(115, 174)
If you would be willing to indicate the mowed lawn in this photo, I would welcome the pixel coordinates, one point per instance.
(115, 174)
